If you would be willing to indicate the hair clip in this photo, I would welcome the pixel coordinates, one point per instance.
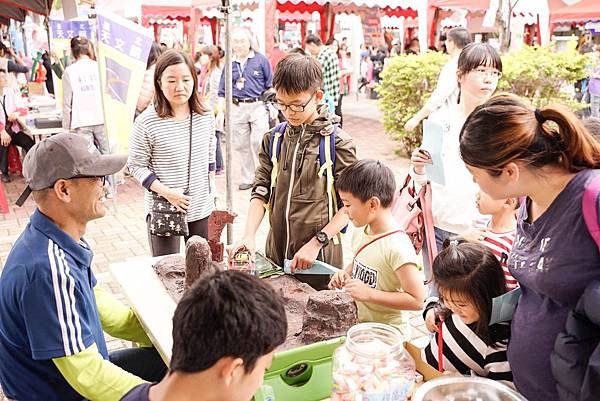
(454, 242)
(538, 116)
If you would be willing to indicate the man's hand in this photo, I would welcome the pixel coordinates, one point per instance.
(178, 199)
(4, 138)
(339, 280)
(358, 290)
(306, 256)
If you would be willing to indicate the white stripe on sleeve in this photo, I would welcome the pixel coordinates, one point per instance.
(57, 298)
(73, 301)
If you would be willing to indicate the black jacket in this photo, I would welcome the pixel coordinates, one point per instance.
(576, 357)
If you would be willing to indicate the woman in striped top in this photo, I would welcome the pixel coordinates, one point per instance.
(159, 148)
(468, 276)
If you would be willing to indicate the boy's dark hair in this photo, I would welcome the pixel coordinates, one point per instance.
(472, 271)
(313, 39)
(297, 50)
(592, 125)
(229, 313)
(79, 46)
(368, 178)
(297, 73)
(460, 36)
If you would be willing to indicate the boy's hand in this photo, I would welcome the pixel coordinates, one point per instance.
(5, 138)
(339, 280)
(430, 321)
(475, 234)
(306, 256)
(358, 290)
(246, 243)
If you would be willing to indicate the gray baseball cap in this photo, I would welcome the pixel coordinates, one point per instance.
(65, 156)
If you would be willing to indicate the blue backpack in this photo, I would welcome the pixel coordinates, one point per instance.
(326, 164)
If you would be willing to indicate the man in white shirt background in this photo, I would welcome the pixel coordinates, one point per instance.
(446, 90)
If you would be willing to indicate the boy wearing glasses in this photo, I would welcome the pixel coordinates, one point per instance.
(291, 181)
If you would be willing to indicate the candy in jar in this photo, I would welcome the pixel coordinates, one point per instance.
(372, 365)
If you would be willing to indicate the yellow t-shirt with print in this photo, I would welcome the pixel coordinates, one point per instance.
(376, 266)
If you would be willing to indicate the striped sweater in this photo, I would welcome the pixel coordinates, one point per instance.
(464, 351)
(500, 244)
(159, 149)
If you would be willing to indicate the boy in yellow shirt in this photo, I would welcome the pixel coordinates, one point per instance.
(383, 278)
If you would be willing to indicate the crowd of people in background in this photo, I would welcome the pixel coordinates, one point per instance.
(507, 221)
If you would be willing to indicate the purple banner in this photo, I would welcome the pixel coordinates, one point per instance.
(69, 29)
(123, 39)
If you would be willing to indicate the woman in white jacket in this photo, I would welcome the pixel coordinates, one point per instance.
(454, 209)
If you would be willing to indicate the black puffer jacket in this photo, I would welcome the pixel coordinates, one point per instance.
(576, 357)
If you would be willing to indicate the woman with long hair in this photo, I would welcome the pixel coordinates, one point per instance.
(172, 149)
(147, 91)
(548, 158)
(210, 61)
(454, 209)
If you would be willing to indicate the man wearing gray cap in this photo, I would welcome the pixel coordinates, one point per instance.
(52, 313)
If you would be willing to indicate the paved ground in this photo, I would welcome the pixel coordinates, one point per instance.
(122, 233)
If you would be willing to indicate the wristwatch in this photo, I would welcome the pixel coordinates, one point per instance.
(322, 238)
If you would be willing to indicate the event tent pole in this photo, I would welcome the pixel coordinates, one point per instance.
(226, 10)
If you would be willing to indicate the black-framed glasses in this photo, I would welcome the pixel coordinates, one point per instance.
(95, 177)
(296, 108)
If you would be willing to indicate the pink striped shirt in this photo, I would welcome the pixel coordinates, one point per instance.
(500, 244)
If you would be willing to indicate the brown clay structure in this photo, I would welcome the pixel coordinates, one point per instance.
(312, 315)
(198, 262)
(216, 222)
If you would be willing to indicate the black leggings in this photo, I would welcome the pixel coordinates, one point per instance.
(167, 245)
(19, 139)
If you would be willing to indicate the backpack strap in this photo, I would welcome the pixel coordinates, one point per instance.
(275, 150)
(327, 167)
(590, 208)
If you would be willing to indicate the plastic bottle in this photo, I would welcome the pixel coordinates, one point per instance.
(372, 365)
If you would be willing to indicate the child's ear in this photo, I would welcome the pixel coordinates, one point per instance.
(319, 95)
(229, 369)
(374, 203)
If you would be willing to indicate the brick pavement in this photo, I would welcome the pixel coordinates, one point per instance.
(121, 234)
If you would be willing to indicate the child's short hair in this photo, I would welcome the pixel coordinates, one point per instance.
(472, 271)
(297, 73)
(367, 178)
(229, 313)
(592, 125)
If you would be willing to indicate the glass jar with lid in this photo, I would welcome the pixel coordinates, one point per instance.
(372, 365)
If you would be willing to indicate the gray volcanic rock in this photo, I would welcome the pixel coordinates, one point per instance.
(171, 271)
(328, 314)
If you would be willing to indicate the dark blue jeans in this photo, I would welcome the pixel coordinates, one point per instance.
(142, 362)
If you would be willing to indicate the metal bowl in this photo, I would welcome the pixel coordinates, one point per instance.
(466, 389)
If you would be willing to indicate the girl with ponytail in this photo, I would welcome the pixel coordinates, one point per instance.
(547, 157)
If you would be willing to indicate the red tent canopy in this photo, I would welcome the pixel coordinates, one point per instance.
(399, 12)
(164, 12)
(583, 11)
(471, 5)
(11, 12)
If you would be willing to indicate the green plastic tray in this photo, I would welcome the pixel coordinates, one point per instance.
(300, 374)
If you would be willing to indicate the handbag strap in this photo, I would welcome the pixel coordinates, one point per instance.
(425, 199)
(190, 154)
(376, 239)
